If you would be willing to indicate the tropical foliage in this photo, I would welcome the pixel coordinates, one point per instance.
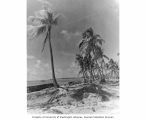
(92, 60)
(113, 70)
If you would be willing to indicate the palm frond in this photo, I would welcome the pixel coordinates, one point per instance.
(35, 20)
(55, 19)
(31, 32)
(84, 35)
(41, 14)
(90, 31)
(97, 40)
(81, 44)
(47, 17)
(40, 29)
(97, 36)
(35, 31)
(80, 72)
(100, 41)
(29, 28)
(98, 49)
(106, 57)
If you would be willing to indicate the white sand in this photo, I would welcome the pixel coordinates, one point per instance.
(65, 104)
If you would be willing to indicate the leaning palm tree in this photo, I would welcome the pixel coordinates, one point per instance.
(41, 24)
(91, 47)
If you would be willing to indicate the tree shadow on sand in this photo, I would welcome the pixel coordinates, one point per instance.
(81, 93)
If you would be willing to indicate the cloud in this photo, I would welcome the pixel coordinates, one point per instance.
(77, 33)
(30, 57)
(58, 72)
(74, 66)
(38, 63)
(73, 69)
(66, 34)
(69, 35)
(67, 53)
(46, 2)
(38, 70)
(47, 65)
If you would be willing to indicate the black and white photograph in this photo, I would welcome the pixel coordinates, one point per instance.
(73, 57)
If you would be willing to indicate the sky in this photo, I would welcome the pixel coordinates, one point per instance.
(76, 17)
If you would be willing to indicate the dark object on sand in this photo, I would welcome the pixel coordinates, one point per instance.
(103, 81)
(39, 87)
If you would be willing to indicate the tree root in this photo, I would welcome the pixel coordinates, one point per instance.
(57, 93)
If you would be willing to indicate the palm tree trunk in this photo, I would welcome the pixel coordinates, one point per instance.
(84, 77)
(93, 75)
(52, 61)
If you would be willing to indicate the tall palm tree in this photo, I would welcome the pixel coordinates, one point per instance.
(42, 23)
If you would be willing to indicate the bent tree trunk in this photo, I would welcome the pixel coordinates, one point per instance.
(52, 62)
(85, 77)
(102, 75)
